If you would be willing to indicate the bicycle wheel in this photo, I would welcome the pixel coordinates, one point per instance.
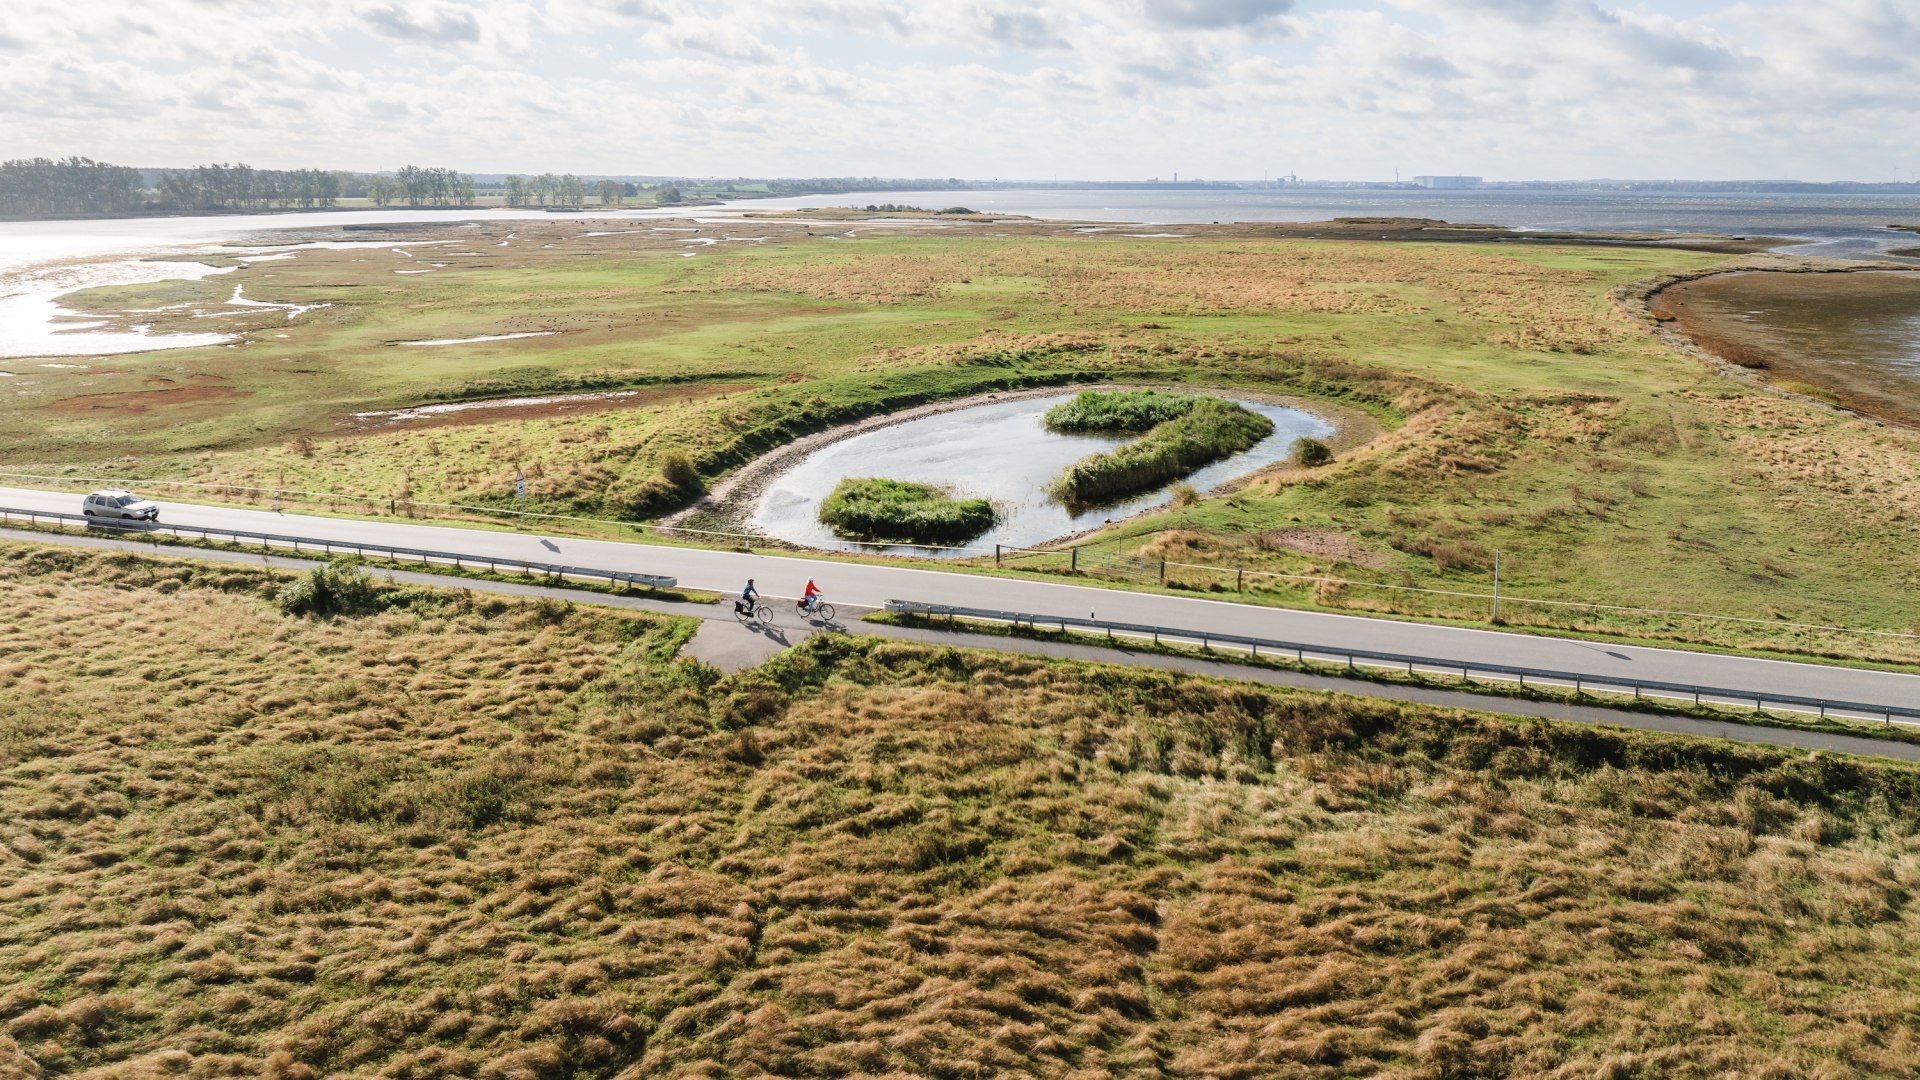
(763, 615)
(824, 612)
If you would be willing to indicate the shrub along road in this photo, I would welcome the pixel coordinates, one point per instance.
(869, 585)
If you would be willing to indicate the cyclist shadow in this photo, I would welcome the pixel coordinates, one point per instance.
(771, 632)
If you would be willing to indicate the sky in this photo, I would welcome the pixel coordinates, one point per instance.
(976, 89)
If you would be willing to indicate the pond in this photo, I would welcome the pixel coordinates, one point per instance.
(1000, 451)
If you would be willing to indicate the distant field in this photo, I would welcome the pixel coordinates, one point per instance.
(1522, 412)
(457, 836)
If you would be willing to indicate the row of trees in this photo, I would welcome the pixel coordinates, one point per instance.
(243, 187)
(421, 187)
(43, 187)
(569, 190)
(78, 187)
(548, 190)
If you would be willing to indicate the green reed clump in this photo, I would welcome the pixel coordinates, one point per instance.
(1210, 430)
(329, 590)
(872, 508)
(1132, 411)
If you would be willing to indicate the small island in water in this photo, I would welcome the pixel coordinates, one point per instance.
(879, 510)
(1179, 435)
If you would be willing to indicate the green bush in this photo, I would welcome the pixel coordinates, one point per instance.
(1310, 453)
(677, 469)
(328, 590)
(893, 511)
(1210, 430)
(1132, 411)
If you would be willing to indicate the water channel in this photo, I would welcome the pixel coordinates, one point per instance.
(1001, 451)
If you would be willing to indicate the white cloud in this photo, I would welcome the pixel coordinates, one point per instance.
(988, 88)
(1214, 14)
(432, 23)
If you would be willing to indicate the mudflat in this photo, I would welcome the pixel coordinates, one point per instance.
(1852, 338)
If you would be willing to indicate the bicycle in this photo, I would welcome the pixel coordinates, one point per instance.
(757, 612)
(820, 610)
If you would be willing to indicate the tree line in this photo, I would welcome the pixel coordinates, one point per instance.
(547, 189)
(82, 187)
(42, 187)
(243, 187)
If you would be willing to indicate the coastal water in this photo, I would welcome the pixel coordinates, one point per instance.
(1000, 451)
(1837, 226)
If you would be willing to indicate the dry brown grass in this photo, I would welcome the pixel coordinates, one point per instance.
(1528, 305)
(457, 839)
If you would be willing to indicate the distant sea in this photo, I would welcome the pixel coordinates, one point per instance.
(1837, 226)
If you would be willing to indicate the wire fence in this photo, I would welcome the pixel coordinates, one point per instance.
(1089, 560)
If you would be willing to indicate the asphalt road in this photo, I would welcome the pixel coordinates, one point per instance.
(733, 645)
(872, 585)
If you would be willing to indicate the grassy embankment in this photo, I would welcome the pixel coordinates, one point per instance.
(1200, 430)
(874, 508)
(457, 836)
(1523, 412)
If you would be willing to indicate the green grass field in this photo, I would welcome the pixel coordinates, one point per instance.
(1521, 411)
(460, 836)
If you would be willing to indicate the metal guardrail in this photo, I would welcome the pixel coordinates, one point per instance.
(1580, 682)
(302, 543)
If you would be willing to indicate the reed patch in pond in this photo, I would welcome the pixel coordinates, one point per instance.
(1209, 429)
(1125, 411)
(895, 511)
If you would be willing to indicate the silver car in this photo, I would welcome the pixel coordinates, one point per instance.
(124, 505)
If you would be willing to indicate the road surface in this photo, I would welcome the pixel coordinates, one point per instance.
(870, 585)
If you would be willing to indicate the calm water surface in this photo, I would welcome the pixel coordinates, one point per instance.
(1858, 333)
(1839, 226)
(999, 451)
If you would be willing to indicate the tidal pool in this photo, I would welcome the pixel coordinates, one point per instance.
(999, 451)
(1855, 334)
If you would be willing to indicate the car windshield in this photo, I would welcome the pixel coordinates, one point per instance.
(125, 500)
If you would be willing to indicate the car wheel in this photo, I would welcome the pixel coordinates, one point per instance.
(86, 513)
